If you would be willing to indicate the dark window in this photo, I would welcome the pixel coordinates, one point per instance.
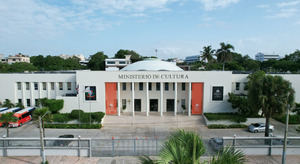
(183, 86)
(157, 86)
(217, 94)
(36, 101)
(52, 85)
(141, 86)
(173, 86)
(44, 86)
(123, 104)
(69, 85)
(36, 86)
(27, 86)
(150, 86)
(166, 86)
(19, 85)
(237, 86)
(122, 62)
(28, 102)
(124, 86)
(20, 101)
(61, 86)
(111, 62)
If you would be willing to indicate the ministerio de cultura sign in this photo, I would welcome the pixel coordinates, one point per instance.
(153, 76)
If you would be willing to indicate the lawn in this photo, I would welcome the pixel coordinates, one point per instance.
(234, 117)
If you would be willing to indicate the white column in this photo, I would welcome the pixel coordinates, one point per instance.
(175, 99)
(190, 99)
(31, 87)
(15, 93)
(56, 89)
(119, 100)
(161, 98)
(23, 93)
(40, 85)
(48, 89)
(147, 98)
(132, 98)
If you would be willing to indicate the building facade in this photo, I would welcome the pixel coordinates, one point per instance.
(15, 59)
(132, 91)
(192, 59)
(117, 64)
(263, 57)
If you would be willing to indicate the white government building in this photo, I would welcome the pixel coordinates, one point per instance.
(148, 87)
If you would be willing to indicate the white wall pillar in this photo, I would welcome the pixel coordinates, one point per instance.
(56, 89)
(119, 100)
(40, 87)
(132, 98)
(147, 98)
(175, 99)
(48, 87)
(23, 93)
(31, 87)
(15, 93)
(161, 98)
(190, 99)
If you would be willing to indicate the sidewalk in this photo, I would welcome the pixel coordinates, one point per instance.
(130, 160)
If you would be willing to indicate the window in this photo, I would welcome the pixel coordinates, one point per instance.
(166, 86)
(19, 101)
(141, 86)
(173, 86)
(36, 101)
(217, 94)
(124, 86)
(183, 103)
(36, 86)
(61, 86)
(52, 85)
(122, 62)
(237, 86)
(150, 86)
(111, 62)
(123, 104)
(157, 86)
(44, 86)
(27, 86)
(19, 85)
(245, 86)
(69, 85)
(28, 102)
(183, 86)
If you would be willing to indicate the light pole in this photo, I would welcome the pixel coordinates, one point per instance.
(42, 138)
(285, 134)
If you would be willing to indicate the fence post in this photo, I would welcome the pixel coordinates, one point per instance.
(90, 147)
(4, 147)
(113, 145)
(270, 147)
(134, 145)
(155, 145)
(234, 141)
(78, 146)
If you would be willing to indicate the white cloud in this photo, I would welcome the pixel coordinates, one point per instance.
(288, 4)
(284, 13)
(214, 4)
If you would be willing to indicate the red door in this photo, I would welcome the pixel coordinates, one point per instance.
(197, 98)
(111, 98)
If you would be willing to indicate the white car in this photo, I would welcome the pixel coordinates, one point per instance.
(259, 127)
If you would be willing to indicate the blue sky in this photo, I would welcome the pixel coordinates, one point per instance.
(177, 28)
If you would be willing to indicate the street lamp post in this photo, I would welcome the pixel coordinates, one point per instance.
(285, 135)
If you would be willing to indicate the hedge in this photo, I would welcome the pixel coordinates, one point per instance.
(221, 126)
(225, 116)
(61, 117)
(293, 119)
(75, 113)
(54, 105)
(74, 126)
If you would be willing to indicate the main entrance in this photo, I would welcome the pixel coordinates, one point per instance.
(153, 105)
(137, 105)
(111, 98)
(170, 105)
(197, 98)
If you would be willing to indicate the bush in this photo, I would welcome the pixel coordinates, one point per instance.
(54, 105)
(221, 126)
(74, 126)
(293, 119)
(62, 117)
(85, 118)
(225, 116)
(75, 113)
(97, 116)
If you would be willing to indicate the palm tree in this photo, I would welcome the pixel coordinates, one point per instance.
(20, 105)
(224, 53)
(6, 118)
(7, 103)
(229, 155)
(42, 112)
(181, 147)
(207, 54)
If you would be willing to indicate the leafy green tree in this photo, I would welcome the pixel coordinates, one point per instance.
(20, 105)
(240, 102)
(6, 118)
(97, 61)
(21, 67)
(72, 64)
(4, 67)
(38, 61)
(39, 112)
(224, 53)
(134, 56)
(229, 155)
(207, 54)
(181, 147)
(270, 94)
(54, 63)
(7, 103)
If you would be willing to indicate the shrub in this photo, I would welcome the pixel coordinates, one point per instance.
(85, 118)
(293, 119)
(221, 126)
(216, 126)
(74, 126)
(225, 116)
(97, 116)
(62, 117)
(75, 113)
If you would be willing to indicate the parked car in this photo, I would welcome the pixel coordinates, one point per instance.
(216, 143)
(259, 127)
(63, 142)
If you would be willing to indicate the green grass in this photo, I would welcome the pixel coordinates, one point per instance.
(234, 117)
(293, 119)
(221, 126)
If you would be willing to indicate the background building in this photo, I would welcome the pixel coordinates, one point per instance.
(262, 57)
(192, 59)
(15, 59)
(117, 64)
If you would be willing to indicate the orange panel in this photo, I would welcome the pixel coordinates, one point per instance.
(197, 98)
(111, 98)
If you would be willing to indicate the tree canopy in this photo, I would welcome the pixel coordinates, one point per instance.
(97, 61)
(134, 55)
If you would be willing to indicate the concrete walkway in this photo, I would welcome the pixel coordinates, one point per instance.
(131, 160)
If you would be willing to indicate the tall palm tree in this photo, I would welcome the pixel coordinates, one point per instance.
(181, 147)
(224, 53)
(6, 118)
(207, 54)
(229, 155)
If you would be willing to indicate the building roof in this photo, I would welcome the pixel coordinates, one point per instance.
(152, 65)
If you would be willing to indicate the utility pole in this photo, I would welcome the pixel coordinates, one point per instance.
(285, 134)
(42, 141)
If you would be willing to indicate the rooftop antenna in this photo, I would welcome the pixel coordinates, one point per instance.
(156, 52)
